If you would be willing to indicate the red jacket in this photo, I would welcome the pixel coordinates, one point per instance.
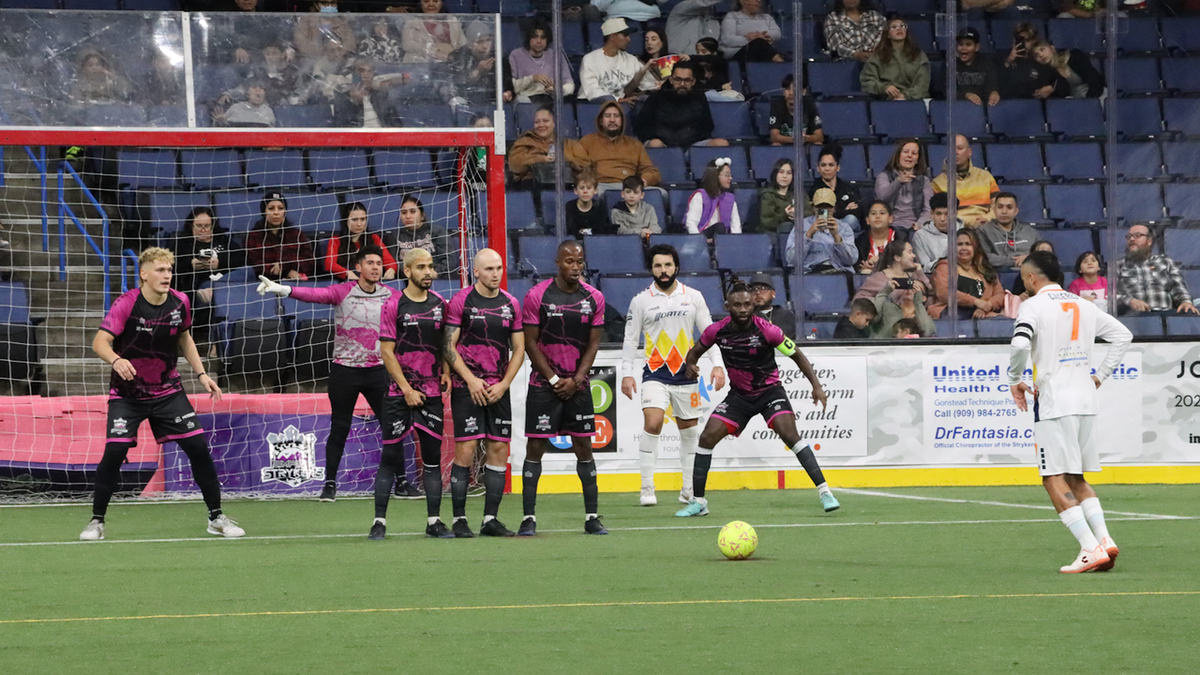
(335, 245)
(290, 247)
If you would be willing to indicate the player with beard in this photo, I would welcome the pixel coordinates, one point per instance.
(564, 321)
(357, 367)
(748, 344)
(411, 341)
(666, 314)
(483, 333)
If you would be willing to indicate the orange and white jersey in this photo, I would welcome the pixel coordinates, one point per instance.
(666, 324)
(1059, 328)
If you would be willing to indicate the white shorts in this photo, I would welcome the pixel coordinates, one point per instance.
(1064, 445)
(684, 399)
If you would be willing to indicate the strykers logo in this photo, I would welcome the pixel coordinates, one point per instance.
(965, 374)
(543, 423)
(119, 426)
(293, 457)
(176, 318)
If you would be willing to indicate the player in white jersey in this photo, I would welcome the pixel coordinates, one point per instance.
(1059, 329)
(665, 315)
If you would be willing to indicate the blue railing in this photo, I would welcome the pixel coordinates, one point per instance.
(129, 267)
(65, 211)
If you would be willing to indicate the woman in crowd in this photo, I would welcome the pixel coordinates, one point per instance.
(655, 72)
(382, 44)
(321, 24)
(749, 34)
(853, 29)
(275, 248)
(905, 185)
(431, 36)
(203, 249)
(898, 290)
(532, 67)
(352, 236)
(1077, 77)
(417, 231)
(96, 82)
(875, 238)
(980, 294)
(712, 72)
(849, 202)
(712, 209)
(898, 70)
(777, 201)
(531, 157)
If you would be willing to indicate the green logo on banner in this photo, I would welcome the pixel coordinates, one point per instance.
(602, 395)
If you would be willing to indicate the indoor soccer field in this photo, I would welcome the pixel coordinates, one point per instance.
(902, 580)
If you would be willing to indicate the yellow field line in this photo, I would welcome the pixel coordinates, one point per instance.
(577, 605)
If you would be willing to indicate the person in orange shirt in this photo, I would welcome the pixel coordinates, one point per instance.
(974, 186)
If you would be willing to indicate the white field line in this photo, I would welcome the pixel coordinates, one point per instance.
(893, 495)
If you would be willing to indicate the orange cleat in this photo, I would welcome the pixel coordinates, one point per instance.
(1088, 561)
(1110, 547)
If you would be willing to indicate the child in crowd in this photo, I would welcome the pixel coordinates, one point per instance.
(631, 216)
(1088, 283)
(906, 328)
(857, 325)
(584, 216)
(253, 112)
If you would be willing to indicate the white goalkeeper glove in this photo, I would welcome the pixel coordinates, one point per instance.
(268, 286)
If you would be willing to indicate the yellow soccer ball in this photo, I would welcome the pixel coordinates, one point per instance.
(737, 540)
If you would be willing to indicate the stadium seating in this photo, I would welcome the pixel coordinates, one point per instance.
(168, 210)
(1075, 118)
(339, 168)
(1016, 162)
(1019, 119)
(822, 293)
(1137, 161)
(620, 290)
(147, 169)
(1075, 204)
(238, 211)
(404, 168)
(275, 169)
(692, 248)
(212, 169)
(537, 255)
(672, 165)
(744, 252)
(615, 254)
(1068, 244)
(847, 121)
(1183, 246)
(894, 120)
(1074, 162)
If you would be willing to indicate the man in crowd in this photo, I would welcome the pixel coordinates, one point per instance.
(1006, 241)
(608, 73)
(764, 305)
(614, 155)
(678, 116)
(974, 186)
(929, 242)
(977, 79)
(1149, 281)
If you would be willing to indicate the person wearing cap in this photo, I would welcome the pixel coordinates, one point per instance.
(977, 78)
(610, 73)
(275, 248)
(763, 290)
(974, 186)
(431, 36)
(677, 116)
(630, 10)
(828, 242)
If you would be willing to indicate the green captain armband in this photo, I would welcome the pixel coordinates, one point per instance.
(787, 347)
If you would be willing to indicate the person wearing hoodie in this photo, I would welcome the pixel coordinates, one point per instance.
(417, 232)
(276, 248)
(931, 241)
(691, 21)
(1005, 240)
(535, 148)
(614, 155)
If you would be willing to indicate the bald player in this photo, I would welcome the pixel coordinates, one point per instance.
(483, 332)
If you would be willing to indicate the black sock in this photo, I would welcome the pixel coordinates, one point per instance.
(108, 477)
(460, 479)
(204, 471)
(433, 490)
(809, 461)
(213, 514)
(384, 477)
(700, 473)
(98, 519)
(591, 491)
(493, 483)
(530, 474)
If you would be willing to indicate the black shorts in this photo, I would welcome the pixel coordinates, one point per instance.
(473, 421)
(737, 410)
(171, 418)
(547, 415)
(399, 418)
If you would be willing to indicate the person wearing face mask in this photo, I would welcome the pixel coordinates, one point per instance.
(277, 249)
(314, 29)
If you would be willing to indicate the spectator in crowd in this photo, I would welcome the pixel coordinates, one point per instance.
(431, 36)
(275, 248)
(203, 249)
(614, 155)
(239, 37)
(610, 73)
(898, 290)
(749, 34)
(163, 83)
(1081, 9)
(280, 78)
(1006, 240)
(328, 76)
(691, 21)
(853, 29)
(993, 9)
(712, 208)
(712, 72)
(1077, 77)
(657, 57)
(857, 324)
(783, 115)
(1018, 286)
(1021, 76)
(472, 70)
(931, 241)
(97, 82)
(908, 328)
(253, 112)
(677, 117)
(763, 290)
(531, 157)
(533, 67)
(897, 70)
(632, 215)
(1149, 281)
(1089, 284)
(416, 231)
(880, 232)
(974, 186)
(351, 238)
(980, 294)
(977, 78)
(828, 242)
(848, 206)
(383, 42)
(630, 10)
(777, 201)
(583, 215)
(319, 25)
(365, 103)
(904, 184)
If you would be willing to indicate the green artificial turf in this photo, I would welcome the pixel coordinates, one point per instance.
(885, 585)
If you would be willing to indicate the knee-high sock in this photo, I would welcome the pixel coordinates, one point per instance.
(689, 440)
(410, 466)
(530, 473)
(1095, 516)
(700, 473)
(1077, 523)
(809, 461)
(389, 460)
(431, 457)
(493, 483)
(341, 401)
(591, 491)
(108, 475)
(647, 457)
(204, 471)
(460, 479)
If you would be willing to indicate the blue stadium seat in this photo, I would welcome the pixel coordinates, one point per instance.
(678, 200)
(914, 7)
(699, 157)
(760, 112)
(853, 164)
(421, 115)
(1181, 35)
(441, 207)
(1137, 162)
(968, 120)
(525, 114)
(242, 301)
(212, 169)
(239, 210)
(765, 78)
(994, 327)
(147, 169)
(922, 33)
(1140, 202)
(671, 164)
(93, 5)
(519, 287)
(900, 119)
(537, 255)
(746, 200)
(763, 158)
(303, 116)
(744, 251)
(339, 168)
(168, 210)
(1182, 245)
(1016, 162)
(838, 79)
(709, 286)
(966, 329)
(1074, 162)
(275, 168)
(314, 213)
(1138, 76)
(692, 248)
(1143, 37)
(1139, 119)
(1181, 160)
(1075, 118)
(619, 291)
(615, 254)
(731, 121)
(571, 41)
(1075, 34)
(166, 115)
(1181, 75)
(1143, 326)
(1183, 325)
(407, 168)
(1029, 199)
(846, 121)
(1019, 119)
(1069, 244)
(383, 208)
(1182, 116)
(1075, 204)
(823, 293)
(14, 303)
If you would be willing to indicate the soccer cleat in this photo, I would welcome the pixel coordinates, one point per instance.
(495, 528)
(438, 530)
(93, 532)
(528, 527)
(378, 531)
(224, 527)
(1110, 547)
(648, 498)
(829, 502)
(685, 496)
(1087, 561)
(594, 526)
(406, 490)
(462, 530)
(694, 508)
(328, 493)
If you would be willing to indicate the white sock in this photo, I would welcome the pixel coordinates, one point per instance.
(702, 500)
(1075, 521)
(434, 520)
(1095, 516)
(533, 518)
(488, 519)
(381, 521)
(647, 457)
(823, 489)
(689, 440)
(462, 518)
(591, 516)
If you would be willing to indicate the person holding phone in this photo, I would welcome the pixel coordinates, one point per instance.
(898, 290)
(1021, 76)
(828, 242)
